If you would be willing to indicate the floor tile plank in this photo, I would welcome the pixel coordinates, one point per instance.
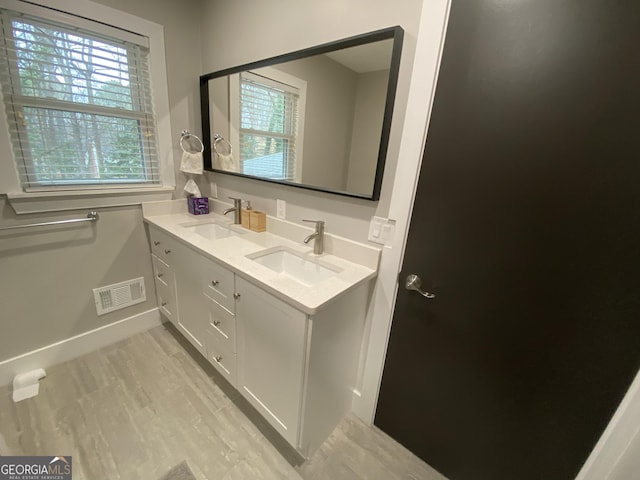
(135, 409)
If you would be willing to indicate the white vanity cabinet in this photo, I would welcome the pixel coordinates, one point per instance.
(197, 295)
(177, 288)
(297, 369)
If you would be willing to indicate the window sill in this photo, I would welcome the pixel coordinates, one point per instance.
(39, 202)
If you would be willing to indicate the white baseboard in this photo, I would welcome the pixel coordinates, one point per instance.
(74, 347)
(614, 443)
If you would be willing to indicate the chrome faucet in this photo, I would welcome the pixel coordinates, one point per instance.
(237, 207)
(317, 236)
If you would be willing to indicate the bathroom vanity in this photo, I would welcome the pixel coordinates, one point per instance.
(281, 325)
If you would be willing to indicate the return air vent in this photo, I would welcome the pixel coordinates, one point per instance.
(119, 295)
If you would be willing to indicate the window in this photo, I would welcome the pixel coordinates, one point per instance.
(270, 127)
(78, 103)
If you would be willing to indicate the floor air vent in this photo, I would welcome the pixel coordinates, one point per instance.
(119, 295)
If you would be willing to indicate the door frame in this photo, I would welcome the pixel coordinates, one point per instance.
(623, 427)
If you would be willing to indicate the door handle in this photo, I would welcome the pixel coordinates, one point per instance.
(413, 282)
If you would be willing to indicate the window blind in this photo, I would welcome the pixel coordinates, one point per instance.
(268, 127)
(78, 104)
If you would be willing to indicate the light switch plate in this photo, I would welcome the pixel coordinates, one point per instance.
(381, 230)
(214, 190)
(281, 209)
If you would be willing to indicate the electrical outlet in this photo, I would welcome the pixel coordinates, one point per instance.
(281, 209)
(214, 190)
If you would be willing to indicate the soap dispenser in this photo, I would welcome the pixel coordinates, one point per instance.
(245, 214)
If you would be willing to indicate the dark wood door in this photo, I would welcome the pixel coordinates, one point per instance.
(526, 227)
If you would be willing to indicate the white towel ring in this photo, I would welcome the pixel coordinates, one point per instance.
(185, 136)
(217, 139)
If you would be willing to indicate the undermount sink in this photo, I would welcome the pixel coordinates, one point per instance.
(294, 265)
(212, 230)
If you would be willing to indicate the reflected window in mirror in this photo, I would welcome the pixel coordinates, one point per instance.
(268, 132)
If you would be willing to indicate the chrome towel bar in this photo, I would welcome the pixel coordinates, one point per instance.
(91, 217)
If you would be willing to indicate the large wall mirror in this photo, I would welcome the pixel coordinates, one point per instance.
(317, 118)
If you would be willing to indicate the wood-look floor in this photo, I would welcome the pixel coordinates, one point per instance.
(136, 409)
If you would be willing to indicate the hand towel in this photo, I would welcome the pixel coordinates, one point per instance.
(226, 162)
(191, 163)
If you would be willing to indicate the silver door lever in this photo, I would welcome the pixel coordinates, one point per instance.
(413, 282)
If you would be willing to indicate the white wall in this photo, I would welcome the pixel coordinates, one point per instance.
(330, 100)
(48, 275)
(368, 118)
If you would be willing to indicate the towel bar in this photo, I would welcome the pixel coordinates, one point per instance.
(91, 217)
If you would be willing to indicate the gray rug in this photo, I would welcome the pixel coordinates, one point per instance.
(179, 472)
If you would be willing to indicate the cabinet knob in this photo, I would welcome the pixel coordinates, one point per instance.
(167, 251)
(218, 358)
(160, 275)
(216, 323)
(156, 243)
(164, 304)
(236, 296)
(214, 282)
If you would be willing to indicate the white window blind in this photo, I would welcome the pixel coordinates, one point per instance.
(78, 105)
(268, 127)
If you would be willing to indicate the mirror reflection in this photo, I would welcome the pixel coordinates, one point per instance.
(317, 118)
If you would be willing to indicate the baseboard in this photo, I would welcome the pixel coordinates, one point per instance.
(619, 434)
(74, 347)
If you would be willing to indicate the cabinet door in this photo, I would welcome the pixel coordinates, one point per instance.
(192, 308)
(272, 341)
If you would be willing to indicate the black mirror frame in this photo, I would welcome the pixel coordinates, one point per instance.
(396, 33)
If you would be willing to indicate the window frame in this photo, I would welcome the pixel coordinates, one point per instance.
(66, 198)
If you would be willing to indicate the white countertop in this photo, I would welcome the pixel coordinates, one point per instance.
(232, 252)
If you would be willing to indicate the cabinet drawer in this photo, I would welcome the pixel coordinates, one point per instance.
(218, 284)
(221, 358)
(162, 244)
(162, 272)
(166, 301)
(222, 324)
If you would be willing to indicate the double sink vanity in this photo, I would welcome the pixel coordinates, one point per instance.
(281, 318)
(282, 325)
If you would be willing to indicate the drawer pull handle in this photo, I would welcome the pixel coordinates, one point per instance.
(164, 304)
(218, 358)
(214, 282)
(236, 296)
(156, 243)
(160, 275)
(167, 251)
(216, 323)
